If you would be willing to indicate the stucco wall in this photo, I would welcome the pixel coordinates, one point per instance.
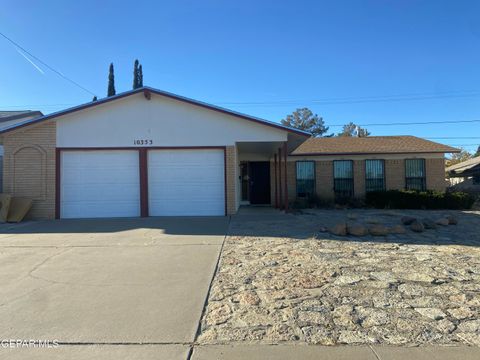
(161, 122)
(29, 167)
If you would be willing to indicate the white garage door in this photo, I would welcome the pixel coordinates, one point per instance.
(186, 182)
(99, 184)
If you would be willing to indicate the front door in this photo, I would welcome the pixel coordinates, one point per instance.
(259, 175)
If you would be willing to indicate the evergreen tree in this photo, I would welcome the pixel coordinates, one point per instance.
(94, 98)
(305, 119)
(353, 130)
(135, 75)
(111, 81)
(140, 76)
(477, 153)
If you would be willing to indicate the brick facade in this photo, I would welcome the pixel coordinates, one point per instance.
(435, 170)
(394, 176)
(29, 167)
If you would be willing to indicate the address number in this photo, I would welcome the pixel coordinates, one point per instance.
(142, 142)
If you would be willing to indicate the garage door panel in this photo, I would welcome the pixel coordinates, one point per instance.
(186, 182)
(100, 184)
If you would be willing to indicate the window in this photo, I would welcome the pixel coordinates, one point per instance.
(415, 174)
(476, 179)
(305, 178)
(374, 175)
(343, 178)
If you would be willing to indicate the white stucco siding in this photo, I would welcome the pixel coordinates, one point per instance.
(164, 121)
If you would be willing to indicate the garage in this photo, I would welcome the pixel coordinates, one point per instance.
(186, 182)
(102, 183)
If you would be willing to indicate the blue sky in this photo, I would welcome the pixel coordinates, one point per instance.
(370, 61)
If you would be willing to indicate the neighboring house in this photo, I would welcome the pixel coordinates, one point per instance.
(148, 152)
(9, 118)
(465, 175)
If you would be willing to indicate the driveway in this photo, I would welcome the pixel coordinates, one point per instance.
(128, 281)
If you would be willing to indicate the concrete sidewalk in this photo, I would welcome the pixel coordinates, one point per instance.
(241, 352)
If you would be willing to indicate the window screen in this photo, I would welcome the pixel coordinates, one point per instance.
(343, 178)
(305, 178)
(415, 174)
(374, 175)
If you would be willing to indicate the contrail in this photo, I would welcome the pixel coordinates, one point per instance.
(30, 61)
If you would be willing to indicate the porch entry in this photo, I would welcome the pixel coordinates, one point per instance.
(255, 182)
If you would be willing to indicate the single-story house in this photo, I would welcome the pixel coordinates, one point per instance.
(465, 175)
(148, 152)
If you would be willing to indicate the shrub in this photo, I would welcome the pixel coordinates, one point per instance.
(410, 199)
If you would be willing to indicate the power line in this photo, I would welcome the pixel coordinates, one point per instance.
(415, 123)
(455, 137)
(353, 100)
(46, 65)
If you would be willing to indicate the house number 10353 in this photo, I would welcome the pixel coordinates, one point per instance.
(142, 142)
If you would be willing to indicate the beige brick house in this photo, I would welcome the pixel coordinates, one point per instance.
(148, 152)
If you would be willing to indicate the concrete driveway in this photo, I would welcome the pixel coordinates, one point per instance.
(93, 282)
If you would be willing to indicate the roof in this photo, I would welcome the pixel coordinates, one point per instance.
(370, 145)
(464, 166)
(19, 114)
(147, 91)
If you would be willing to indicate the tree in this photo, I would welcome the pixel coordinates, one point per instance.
(458, 157)
(477, 153)
(304, 119)
(95, 98)
(140, 76)
(351, 129)
(135, 75)
(111, 81)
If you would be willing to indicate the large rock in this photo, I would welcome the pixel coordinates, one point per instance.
(357, 230)
(442, 222)
(432, 313)
(429, 224)
(407, 220)
(339, 229)
(397, 229)
(452, 220)
(417, 226)
(378, 230)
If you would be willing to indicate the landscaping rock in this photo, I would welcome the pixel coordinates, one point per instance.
(378, 230)
(407, 220)
(397, 229)
(357, 230)
(461, 313)
(442, 222)
(339, 229)
(432, 313)
(429, 224)
(452, 220)
(469, 326)
(417, 226)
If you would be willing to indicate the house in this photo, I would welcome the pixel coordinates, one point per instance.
(8, 118)
(148, 152)
(465, 175)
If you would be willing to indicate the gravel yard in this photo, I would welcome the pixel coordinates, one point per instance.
(281, 278)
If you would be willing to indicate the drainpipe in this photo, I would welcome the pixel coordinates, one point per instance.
(286, 184)
(280, 195)
(276, 180)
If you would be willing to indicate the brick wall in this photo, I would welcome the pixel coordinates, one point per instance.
(324, 179)
(29, 167)
(395, 174)
(435, 173)
(359, 178)
(231, 166)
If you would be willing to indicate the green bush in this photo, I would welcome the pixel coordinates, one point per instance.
(410, 199)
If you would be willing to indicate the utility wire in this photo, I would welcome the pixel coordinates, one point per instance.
(46, 65)
(414, 123)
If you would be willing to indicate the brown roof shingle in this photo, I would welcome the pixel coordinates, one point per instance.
(370, 145)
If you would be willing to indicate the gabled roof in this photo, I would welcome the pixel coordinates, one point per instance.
(19, 114)
(464, 165)
(370, 145)
(148, 91)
